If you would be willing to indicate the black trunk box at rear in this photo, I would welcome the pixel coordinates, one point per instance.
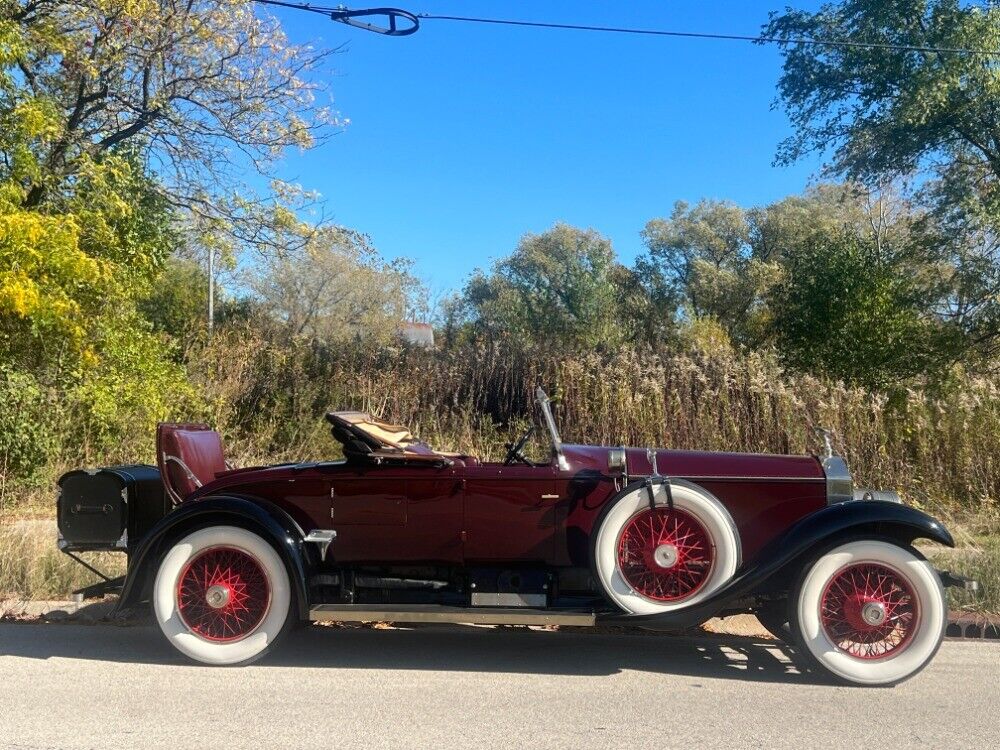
(109, 508)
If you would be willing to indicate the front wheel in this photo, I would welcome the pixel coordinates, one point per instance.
(869, 612)
(222, 596)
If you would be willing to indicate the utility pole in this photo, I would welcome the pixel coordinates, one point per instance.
(211, 290)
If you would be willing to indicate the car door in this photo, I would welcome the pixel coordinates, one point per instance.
(409, 513)
(510, 513)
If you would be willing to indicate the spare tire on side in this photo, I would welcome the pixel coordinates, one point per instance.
(653, 560)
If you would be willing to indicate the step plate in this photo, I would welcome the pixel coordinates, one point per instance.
(434, 613)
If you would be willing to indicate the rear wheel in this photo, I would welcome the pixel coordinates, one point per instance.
(869, 613)
(222, 596)
(651, 560)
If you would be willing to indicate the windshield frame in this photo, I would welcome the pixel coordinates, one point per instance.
(545, 404)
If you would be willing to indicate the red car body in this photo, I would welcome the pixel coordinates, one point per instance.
(473, 512)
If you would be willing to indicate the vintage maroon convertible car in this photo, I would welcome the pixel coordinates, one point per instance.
(231, 558)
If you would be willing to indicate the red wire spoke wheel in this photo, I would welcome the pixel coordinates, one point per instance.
(223, 594)
(665, 555)
(869, 611)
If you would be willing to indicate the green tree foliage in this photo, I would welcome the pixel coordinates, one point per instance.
(96, 97)
(71, 340)
(702, 257)
(206, 88)
(69, 331)
(28, 432)
(558, 287)
(84, 259)
(891, 113)
(177, 305)
(824, 209)
(852, 307)
(69, 328)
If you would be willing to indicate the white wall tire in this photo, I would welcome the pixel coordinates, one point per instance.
(834, 630)
(249, 609)
(675, 576)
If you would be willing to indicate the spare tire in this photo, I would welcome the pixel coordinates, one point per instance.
(652, 560)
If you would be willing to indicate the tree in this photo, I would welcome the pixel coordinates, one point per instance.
(896, 113)
(702, 257)
(177, 304)
(827, 208)
(860, 309)
(200, 89)
(334, 289)
(557, 287)
(893, 111)
(63, 275)
(70, 336)
(647, 304)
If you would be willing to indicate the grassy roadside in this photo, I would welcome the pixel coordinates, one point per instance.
(979, 561)
(32, 567)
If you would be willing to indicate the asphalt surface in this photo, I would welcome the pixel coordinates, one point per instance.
(79, 686)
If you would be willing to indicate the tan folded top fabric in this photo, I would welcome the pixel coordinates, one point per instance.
(391, 435)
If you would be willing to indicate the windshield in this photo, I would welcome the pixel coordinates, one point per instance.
(546, 407)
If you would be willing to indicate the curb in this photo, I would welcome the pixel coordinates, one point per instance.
(964, 626)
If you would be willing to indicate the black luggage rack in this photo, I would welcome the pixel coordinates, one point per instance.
(107, 510)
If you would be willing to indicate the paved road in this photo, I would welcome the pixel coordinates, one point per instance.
(79, 686)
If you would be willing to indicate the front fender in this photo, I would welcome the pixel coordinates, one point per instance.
(795, 546)
(260, 516)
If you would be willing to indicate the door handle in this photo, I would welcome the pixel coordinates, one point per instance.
(79, 509)
(550, 497)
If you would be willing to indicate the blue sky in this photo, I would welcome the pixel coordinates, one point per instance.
(464, 137)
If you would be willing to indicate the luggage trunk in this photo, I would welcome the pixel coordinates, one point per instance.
(110, 508)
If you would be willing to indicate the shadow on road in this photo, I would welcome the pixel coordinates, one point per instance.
(438, 648)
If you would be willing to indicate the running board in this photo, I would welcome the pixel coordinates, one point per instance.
(435, 613)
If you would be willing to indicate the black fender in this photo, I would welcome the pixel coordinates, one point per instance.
(260, 516)
(795, 548)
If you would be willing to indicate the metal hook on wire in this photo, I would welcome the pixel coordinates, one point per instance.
(343, 14)
(390, 27)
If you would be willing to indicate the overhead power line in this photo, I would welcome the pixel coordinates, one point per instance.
(392, 28)
(709, 35)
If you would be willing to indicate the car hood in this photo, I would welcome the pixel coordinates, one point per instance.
(698, 464)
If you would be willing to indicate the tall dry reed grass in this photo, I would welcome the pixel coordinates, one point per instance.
(940, 447)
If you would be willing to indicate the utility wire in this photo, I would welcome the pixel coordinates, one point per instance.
(300, 6)
(337, 14)
(706, 35)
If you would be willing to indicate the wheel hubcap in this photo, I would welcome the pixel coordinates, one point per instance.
(218, 596)
(873, 613)
(223, 594)
(665, 555)
(869, 611)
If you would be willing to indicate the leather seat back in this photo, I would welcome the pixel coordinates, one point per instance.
(189, 456)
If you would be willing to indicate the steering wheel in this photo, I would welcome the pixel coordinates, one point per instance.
(514, 451)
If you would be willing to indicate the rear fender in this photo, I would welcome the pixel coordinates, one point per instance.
(260, 516)
(790, 552)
